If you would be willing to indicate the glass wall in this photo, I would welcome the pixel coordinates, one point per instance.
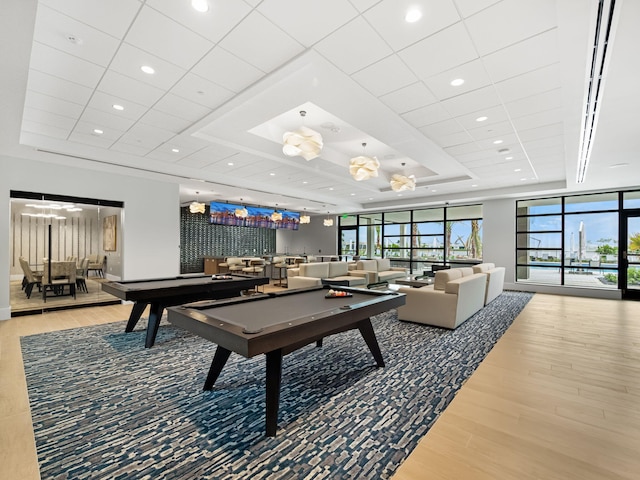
(417, 239)
(48, 229)
(570, 240)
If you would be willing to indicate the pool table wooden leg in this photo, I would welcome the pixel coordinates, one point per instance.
(155, 315)
(366, 330)
(274, 377)
(219, 360)
(134, 316)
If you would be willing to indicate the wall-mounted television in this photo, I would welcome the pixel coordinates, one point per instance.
(259, 217)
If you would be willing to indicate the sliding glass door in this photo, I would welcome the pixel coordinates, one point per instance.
(630, 255)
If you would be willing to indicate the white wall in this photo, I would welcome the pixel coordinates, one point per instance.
(150, 223)
(498, 235)
(311, 238)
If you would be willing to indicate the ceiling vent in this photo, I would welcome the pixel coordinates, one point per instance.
(602, 37)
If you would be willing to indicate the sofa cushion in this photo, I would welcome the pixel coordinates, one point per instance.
(317, 270)
(337, 269)
(444, 276)
(370, 265)
(293, 272)
(483, 267)
(350, 280)
(466, 271)
(384, 264)
(390, 275)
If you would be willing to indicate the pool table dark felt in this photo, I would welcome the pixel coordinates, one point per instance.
(286, 322)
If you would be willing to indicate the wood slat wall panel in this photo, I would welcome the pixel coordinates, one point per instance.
(75, 236)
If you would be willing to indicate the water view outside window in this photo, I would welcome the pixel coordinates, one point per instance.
(570, 240)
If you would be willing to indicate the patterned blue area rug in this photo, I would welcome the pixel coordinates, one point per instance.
(104, 407)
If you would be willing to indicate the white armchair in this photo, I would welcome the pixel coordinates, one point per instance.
(451, 300)
(495, 280)
(235, 264)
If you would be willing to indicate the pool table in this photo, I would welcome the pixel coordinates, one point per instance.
(159, 293)
(279, 323)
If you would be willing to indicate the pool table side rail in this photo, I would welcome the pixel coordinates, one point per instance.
(132, 293)
(301, 332)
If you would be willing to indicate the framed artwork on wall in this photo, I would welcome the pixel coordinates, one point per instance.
(109, 233)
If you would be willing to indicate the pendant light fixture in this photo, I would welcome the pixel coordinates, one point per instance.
(328, 222)
(304, 218)
(196, 206)
(363, 167)
(276, 216)
(401, 183)
(303, 142)
(241, 212)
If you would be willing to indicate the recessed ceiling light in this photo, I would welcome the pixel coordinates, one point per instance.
(230, 164)
(118, 107)
(201, 6)
(147, 69)
(481, 119)
(457, 82)
(434, 191)
(474, 185)
(97, 131)
(272, 174)
(175, 150)
(497, 142)
(413, 15)
(353, 194)
(399, 194)
(518, 170)
(523, 179)
(508, 158)
(305, 182)
(370, 198)
(330, 188)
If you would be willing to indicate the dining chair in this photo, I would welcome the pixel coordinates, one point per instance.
(58, 275)
(30, 279)
(96, 264)
(81, 275)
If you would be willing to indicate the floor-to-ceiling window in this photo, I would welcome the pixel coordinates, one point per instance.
(574, 240)
(416, 239)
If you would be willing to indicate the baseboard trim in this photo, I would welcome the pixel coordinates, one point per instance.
(41, 310)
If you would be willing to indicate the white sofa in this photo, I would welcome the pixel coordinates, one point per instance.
(455, 295)
(495, 280)
(378, 270)
(312, 274)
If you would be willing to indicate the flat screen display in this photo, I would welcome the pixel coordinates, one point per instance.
(259, 217)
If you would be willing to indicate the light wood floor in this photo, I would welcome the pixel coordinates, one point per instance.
(557, 398)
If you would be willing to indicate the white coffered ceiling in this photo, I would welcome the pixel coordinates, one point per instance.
(229, 82)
